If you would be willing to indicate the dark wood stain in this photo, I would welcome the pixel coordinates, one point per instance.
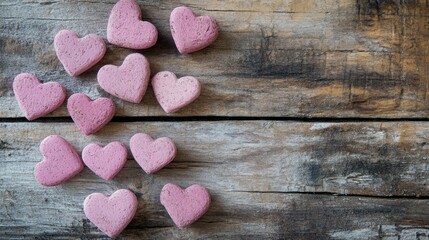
(388, 161)
(4, 145)
(270, 59)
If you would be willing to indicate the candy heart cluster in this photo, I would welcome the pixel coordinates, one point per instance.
(111, 215)
(128, 82)
(61, 161)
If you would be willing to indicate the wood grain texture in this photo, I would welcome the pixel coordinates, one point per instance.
(268, 180)
(290, 58)
(231, 216)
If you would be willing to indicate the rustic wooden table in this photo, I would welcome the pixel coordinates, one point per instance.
(312, 123)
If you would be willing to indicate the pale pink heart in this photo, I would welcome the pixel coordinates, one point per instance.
(128, 81)
(106, 161)
(90, 116)
(78, 54)
(125, 28)
(152, 155)
(185, 206)
(111, 214)
(191, 33)
(174, 94)
(60, 161)
(36, 99)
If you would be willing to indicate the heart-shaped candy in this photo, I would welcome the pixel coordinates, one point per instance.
(90, 116)
(152, 155)
(174, 94)
(105, 162)
(185, 206)
(60, 161)
(111, 214)
(129, 81)
(191, 33)
(36, 99)
(78, 54)
(126, 29)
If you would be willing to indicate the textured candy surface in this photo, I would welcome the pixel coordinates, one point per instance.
(191, 33)
(128, 81)
(150, 154)
(36, 99)
(78, 54)
(185, 206)
(174, 94)
(125, 28)
(60, 161)
(90, 116)
(106, 161)
(111, 214)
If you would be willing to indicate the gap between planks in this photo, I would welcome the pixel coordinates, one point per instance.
(220, 118)
(393, 197)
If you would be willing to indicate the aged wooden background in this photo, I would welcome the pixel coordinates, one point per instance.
(312, 123)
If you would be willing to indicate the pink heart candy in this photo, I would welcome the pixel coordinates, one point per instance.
(90, 116)
(125, 28)
(78, 54)
(152, 155)
(129, 81)
(185, 206)
(174, 94)
(111, 214)
(105, 162)
(36, 99)
(191, 33)
(60, 161)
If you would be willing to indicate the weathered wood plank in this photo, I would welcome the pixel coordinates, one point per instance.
(262, 176)
(56, 213)
(374, 159)
(274, 58)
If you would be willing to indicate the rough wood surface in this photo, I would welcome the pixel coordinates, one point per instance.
(268, 180)
(231, 216)
(294, 59)
(332, 58)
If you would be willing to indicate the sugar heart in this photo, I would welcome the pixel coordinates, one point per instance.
(185, 206)
(129, 81)
(174, 94)
(90, 116)
(36, 99)
(191, 33)
(60, 161)
(105, 162)
(78, 55)
(152, 155)
(126, 29)
(111, 214)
